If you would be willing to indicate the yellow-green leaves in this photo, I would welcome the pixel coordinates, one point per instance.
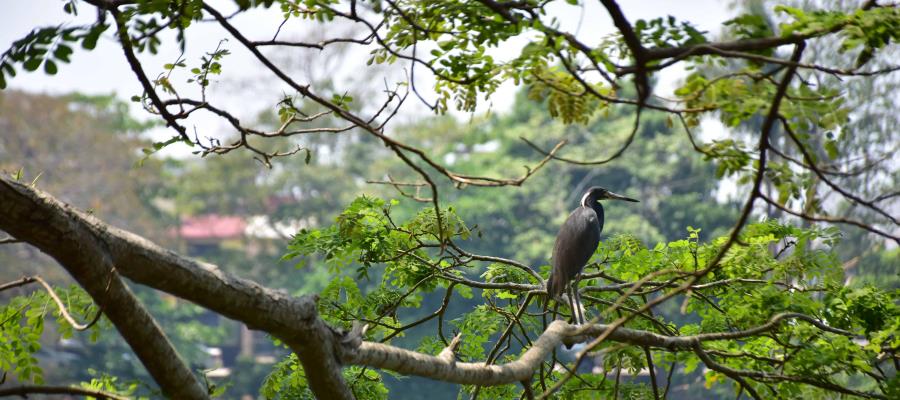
(23, 320)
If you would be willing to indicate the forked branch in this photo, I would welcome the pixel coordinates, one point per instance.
(321, 348)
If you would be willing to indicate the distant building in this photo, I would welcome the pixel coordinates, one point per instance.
(205, 233)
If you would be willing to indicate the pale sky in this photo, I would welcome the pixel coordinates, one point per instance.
(104, 70)
(241, 88)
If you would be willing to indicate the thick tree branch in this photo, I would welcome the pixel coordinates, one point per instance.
(638, 51)
(745, 45)
(75, 239)
(558, 332)
(80, 248)
(68, 235)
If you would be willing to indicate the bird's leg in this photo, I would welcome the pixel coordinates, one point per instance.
(578, 303)
(555, 310)
(576, 308)
(572, 304)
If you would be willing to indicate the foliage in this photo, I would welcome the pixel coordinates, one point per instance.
(22, 322)
(47, 46)
(287, 381)
(752, 285)
(765, 299)
(111, 384)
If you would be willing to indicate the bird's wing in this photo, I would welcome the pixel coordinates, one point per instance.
(575, 244)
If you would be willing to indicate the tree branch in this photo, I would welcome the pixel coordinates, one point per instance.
(74, 238)
(634, 45)
(128, 50)
(765, 376)
(60, 231)
(396, 146)
(24, 391)
(59, 303)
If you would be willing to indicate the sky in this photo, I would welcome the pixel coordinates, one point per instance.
(104, 70)
(242, 88)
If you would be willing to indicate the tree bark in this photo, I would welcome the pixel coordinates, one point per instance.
(96, 254)
(78, 248)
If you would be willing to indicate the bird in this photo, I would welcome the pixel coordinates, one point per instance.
(576, 241)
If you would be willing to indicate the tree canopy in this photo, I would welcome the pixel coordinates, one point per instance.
(448, 280)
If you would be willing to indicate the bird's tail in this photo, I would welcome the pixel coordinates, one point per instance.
(555, 286)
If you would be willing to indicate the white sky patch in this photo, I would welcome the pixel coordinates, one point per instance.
(104, 70)
(486, 147)
(242, 91)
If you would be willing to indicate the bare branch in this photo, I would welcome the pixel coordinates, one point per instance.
(833, 220)
(812, 165)
(615, 155)
(18, 282)
(400, 185)
(23, 391)
(317, 45)
(9, 240)
(125, 42)
(395, 145)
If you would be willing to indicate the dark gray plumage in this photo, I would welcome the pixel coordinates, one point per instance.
(576, 242)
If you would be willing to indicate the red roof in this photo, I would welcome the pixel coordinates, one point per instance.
(212, 226)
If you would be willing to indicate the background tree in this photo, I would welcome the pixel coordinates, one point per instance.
(769, 311)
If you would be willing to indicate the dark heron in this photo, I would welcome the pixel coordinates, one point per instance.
(576, 242)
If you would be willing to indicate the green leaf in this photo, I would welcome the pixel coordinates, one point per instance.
(864, 56)
(50, 67)
(832, 149)
(62, 53)
(90, 39)
(32, 64)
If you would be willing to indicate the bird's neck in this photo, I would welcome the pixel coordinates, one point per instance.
(598, 208)
(591, 201)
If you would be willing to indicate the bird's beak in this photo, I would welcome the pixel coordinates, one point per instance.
(614, 196)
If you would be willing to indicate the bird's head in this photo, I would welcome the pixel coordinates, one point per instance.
(598, 193)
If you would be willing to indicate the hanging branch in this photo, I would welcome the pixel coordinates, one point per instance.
(24, 390)
(59, 303)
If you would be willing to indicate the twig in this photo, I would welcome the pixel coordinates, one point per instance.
(24, 390)
(9, 240)
(59, 303)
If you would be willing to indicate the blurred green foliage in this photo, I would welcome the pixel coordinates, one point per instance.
(391, 263)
